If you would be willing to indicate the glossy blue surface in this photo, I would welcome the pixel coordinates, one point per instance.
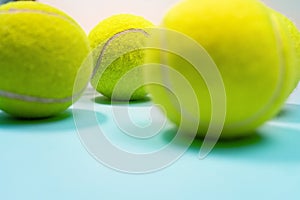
(46, 160)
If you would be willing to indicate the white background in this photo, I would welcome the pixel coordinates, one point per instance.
(89, 12)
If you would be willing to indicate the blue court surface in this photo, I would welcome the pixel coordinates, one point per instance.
(46, 159)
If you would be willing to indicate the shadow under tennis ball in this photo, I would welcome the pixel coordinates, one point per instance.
(54, 125)
(57, 124)
(6, 119)
(106, 101)
(268, 145)
(290, 113)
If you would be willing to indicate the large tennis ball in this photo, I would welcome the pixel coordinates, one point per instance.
(42, 52)
(117, 43)
(294, 35)
(253, 51)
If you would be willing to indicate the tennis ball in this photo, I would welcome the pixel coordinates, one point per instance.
(6, 1)
(294, 35)
(253, 51)
(42, 52)
(117, 43)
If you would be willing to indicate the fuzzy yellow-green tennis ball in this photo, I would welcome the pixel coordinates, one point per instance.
(294, 35)
(42, 52)
(253, 51)
(117, 43)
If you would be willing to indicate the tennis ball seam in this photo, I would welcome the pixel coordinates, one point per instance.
(282, 72)
(33, 99)
(17, 11)
(111, 39)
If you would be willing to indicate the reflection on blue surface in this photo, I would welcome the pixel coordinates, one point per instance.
(271, 144)
(55, 165)
(58, 124)
(63, 120)
(105, 101)
(290, 114)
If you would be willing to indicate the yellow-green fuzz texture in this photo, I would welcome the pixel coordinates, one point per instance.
(117, 42)
(42, 52)
(253, 50)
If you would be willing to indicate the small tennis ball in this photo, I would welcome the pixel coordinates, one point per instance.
(117, 41)
(42, 52)
(253, 51)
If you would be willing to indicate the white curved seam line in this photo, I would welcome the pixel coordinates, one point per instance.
(16, 11)
(33, 99)
(99, 60)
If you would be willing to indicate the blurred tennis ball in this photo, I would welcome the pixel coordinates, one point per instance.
(253, 50)
(6, 1)
(117, 42)
(294, 35)
(42, 52)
